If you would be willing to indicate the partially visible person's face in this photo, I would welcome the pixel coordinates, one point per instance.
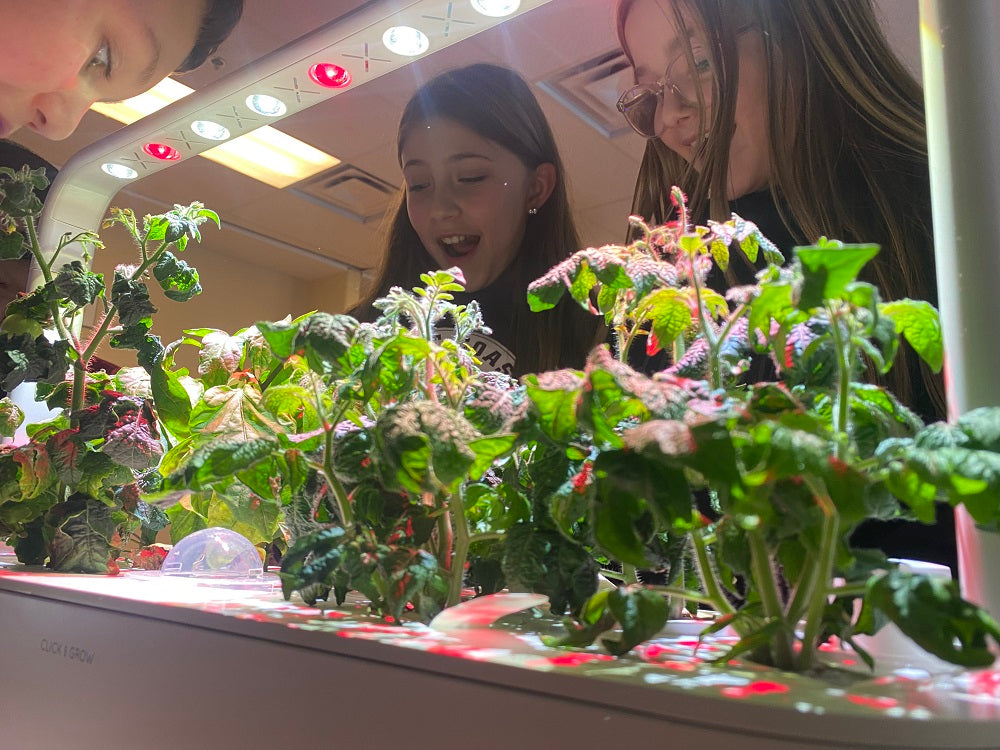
(61, 56)
(467, 198)
(656, 44)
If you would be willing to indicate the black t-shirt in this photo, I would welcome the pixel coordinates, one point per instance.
(494, 350)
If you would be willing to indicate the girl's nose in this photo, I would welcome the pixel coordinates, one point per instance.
(673, 110)
(444, 204)
(58, 113)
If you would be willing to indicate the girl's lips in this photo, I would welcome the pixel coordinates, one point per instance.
(458, 245)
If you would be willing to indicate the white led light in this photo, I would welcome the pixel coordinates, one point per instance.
(495, 8)
(119, 170)
(268, 106)
(406, 41)
(211, 130)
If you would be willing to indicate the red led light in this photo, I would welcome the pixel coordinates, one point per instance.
(162, 151)
(329, 75)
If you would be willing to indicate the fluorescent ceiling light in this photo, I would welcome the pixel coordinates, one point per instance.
(265, 154)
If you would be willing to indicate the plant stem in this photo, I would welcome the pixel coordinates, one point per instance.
(682, 593)
(485, 537)
(629, 573)
(771, 601)
(841, 412)
(456, 509)
(344, 509)
(275, 371)
(823, 573)
(852, 589)
(706, 571)
(711, 339)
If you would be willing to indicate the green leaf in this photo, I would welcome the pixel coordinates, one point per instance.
(233, 412)
(188, 516)
(827, 269)
(642, 613)
(554, 397)
(12, 246)
(669, 314)
(82, 532)
(326, 340)
(78, 284)
(931, 611)
(488, 450)
(773, 302)
(178, 280)
(11, 417)
(253, 516)
(919, 324)
(543, 561)
(981, 428)
(132, 300)
(218, 462)
(149, 350)
(294, 408)
(173, 404)
(660, 487)
(280, 337)
(23, 358)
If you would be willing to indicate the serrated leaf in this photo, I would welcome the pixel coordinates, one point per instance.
(178, 280)
(219, 462)
(78, 284)
(828, 268)
(919, 324)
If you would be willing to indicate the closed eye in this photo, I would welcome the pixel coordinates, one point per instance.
(478, 178)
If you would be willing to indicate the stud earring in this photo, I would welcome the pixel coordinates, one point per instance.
(532, 211)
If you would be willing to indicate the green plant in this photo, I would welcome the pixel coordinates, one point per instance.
(790, 464)
(71, 493)
(399, 469)
(372, 438)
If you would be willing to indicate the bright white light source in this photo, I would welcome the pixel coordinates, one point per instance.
(406, 41)
(495, 8)
(120, 171)
(211, 130)
(268, 106)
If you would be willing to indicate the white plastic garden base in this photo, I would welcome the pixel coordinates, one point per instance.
(146, 661)
(978, 563)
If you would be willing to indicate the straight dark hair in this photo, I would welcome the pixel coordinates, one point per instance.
(497, 104)
(221, 17)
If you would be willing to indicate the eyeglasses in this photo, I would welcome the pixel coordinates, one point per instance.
(641, 104)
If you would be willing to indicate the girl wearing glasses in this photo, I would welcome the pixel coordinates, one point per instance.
(797, 115)
(483, 190)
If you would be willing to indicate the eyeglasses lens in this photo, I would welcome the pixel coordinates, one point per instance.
(639, 105)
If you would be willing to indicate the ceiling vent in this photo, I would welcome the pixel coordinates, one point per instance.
(590, 90)
(349, 191)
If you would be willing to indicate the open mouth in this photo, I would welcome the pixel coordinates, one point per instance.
(459, 245)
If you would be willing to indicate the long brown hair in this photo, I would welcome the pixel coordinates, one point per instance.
(497, 104)
(847, 144)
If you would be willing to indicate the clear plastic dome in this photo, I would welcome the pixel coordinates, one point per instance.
(214, 553)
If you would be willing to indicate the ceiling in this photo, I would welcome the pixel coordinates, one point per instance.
(566, 49)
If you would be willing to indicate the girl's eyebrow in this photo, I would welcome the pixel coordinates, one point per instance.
(146, 76)
(671, 49)
(451, 159)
